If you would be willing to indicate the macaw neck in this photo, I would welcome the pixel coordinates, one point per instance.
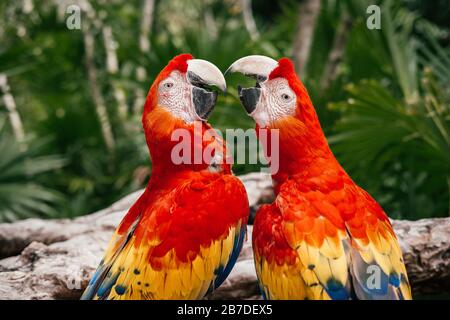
(303, 148)
(176, 148)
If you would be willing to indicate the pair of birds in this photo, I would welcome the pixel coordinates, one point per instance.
(322, 238)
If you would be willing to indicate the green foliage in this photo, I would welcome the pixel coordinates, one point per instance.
(394, 150)
(21, 195)
(396, 142)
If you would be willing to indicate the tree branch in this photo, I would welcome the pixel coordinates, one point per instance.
(10, 104)
(249, 20)
(308, 13)
(146, 25)
(337, 51)
(100, 107)
(144, 46)
(112, 66)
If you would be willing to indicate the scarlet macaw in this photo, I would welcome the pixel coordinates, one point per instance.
(183, 235)
(323, 237)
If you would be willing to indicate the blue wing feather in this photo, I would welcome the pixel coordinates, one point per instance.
(224, 272)
(102, 281)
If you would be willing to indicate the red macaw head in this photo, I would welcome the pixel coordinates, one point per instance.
(181, 97)
(182, 89)
(278, 94)
(280, 102)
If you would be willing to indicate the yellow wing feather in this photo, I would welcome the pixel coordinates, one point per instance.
(138, 280)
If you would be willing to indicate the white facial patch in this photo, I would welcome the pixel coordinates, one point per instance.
(277, 101)
(174, 93)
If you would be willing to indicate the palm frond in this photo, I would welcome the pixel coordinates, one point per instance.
(19, 196)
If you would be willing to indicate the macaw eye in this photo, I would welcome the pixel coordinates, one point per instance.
(285, 97)
(168, 85)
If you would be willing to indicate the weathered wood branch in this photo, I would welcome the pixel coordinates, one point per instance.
(54, 259)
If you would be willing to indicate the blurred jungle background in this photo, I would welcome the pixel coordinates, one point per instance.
(71, 100)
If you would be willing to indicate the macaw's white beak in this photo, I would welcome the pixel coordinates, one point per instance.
(258, 67)
(202, 74)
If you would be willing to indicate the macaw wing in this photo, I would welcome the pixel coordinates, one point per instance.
(277, 265)
(348, 258)
(175, 251)
(315, 230)
(240, 232)
(103, 280)
(378, 268)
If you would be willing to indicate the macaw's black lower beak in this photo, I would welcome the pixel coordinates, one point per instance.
(249, 97)
(204, 101)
